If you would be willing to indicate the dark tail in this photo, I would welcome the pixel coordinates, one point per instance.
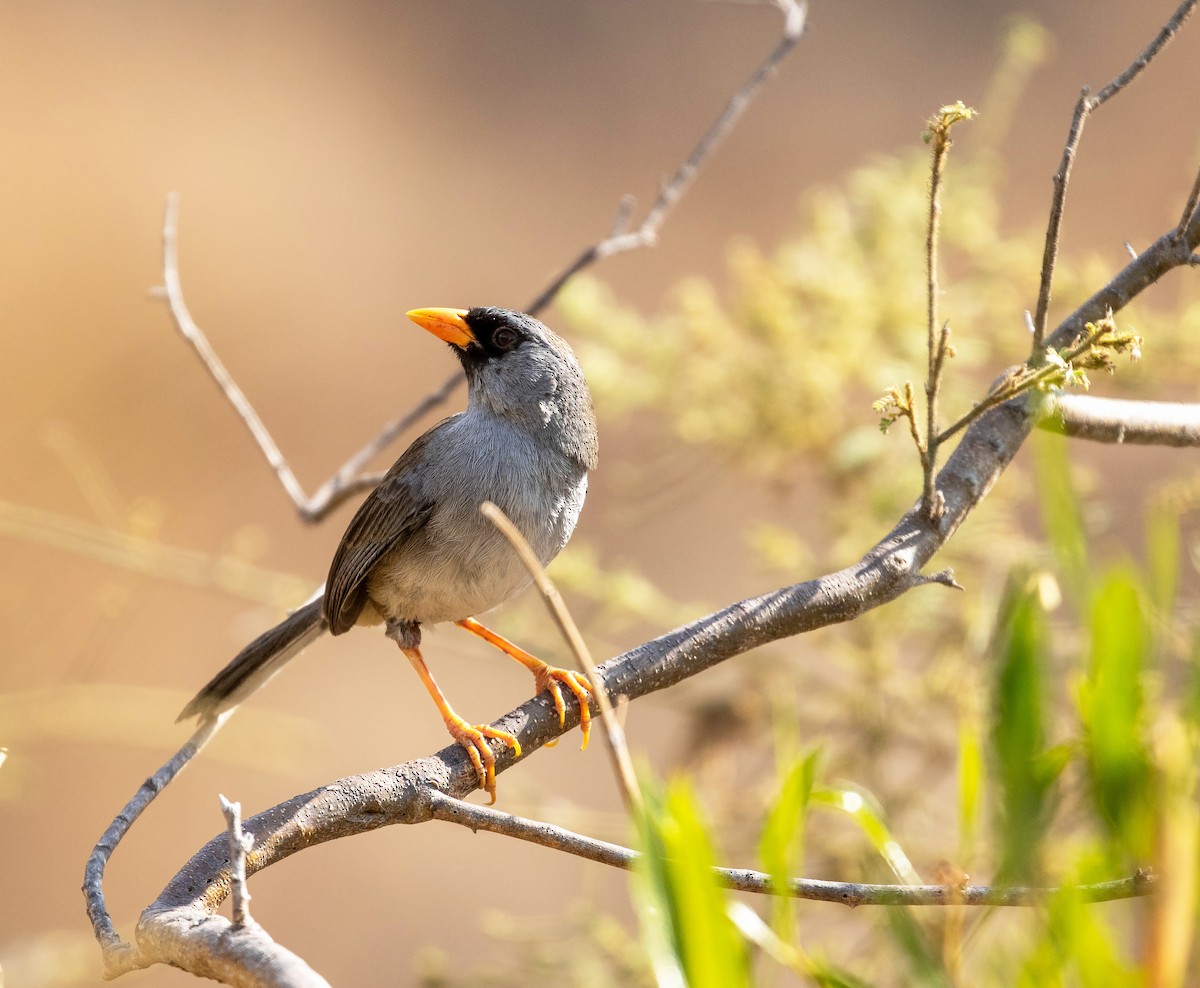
(258, 662)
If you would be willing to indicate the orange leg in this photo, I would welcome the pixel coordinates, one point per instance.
(545, 676)
(472, 737)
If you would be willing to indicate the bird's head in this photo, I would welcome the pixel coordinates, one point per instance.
(518, 368)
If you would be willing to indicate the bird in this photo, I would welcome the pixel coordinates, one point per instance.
(419, 552)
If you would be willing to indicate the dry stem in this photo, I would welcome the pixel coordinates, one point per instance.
(1086, 104)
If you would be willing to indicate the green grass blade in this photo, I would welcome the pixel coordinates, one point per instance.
(1018, 736)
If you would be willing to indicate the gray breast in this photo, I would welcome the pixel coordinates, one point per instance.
(460, 565)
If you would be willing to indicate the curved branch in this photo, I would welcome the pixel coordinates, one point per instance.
(119, 956)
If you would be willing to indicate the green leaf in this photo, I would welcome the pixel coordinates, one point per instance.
(687, 928)
(970, 786)
(1087, 942)
(1111, 708)
(819, 971)
(866, 813)
(1076, 945)
(780, 848)
(1018, 736)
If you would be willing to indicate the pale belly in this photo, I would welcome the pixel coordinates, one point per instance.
(460, 565)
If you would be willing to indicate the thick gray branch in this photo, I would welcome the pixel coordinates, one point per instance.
(212, 947)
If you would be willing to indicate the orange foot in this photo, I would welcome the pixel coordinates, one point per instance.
(474, 739)
(547, 677)
(552, 678)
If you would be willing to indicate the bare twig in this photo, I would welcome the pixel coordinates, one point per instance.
(240, 843)
(1054, 227)
(476, 818)
(118, 955)
(349, 480)
(1190, 207)
(172, 289)
(1113, 420)
(620, 241)
(1086, 104)
(614, 732)
(938, 334)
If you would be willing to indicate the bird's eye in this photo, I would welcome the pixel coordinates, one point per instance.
(505, 338)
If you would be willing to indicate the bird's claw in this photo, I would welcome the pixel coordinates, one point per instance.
(474, 738)
(552, 678)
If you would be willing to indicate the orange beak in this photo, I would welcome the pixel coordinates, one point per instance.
(446, 324)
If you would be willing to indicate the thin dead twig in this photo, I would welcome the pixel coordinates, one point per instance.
(1190, 208)
(938, 333)
(172, 290)
(476, 818)
(621, 239)
(1083, 108)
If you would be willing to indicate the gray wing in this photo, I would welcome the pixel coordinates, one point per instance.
(389, 516)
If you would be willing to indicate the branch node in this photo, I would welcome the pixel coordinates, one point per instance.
(936, 506)
(944, 577)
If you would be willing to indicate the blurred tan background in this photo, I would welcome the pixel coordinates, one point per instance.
(338, 164)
